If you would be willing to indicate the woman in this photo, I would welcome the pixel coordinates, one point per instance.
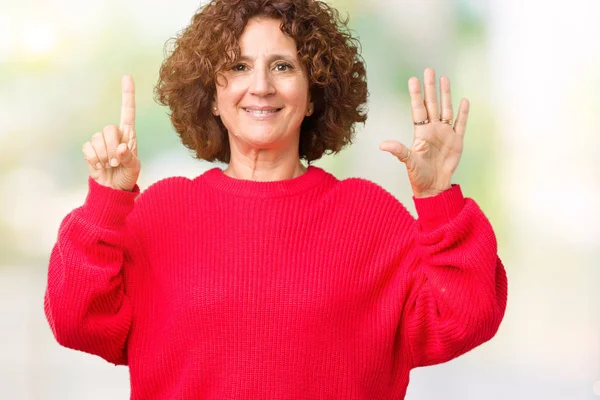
(271, 279)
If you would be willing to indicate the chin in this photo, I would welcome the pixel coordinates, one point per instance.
(264, 139)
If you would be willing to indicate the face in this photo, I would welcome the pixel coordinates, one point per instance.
(265, 96)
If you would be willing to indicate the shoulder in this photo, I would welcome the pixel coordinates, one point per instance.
(175, 189)
(362, 188)
(165, 189)
(365, 208)
(164, 200)
(369, 196)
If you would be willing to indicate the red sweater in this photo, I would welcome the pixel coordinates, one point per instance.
(309, 288)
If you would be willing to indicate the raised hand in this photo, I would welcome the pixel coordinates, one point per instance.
(111, 155)
(437, 146)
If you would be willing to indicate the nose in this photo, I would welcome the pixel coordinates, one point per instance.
(261, 84)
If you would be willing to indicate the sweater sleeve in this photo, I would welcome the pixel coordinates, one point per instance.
(455, 284)
(85, 301)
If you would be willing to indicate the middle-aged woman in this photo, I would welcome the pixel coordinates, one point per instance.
(271, 279)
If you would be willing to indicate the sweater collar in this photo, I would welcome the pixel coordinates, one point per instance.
(312, 177)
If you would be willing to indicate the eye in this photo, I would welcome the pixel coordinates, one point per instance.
(238, 68)
(282, 67)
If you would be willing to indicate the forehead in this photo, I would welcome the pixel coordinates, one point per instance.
(264, 36)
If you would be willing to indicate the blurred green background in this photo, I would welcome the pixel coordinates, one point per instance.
(530, 160)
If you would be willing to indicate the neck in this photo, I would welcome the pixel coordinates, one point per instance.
(264, 165)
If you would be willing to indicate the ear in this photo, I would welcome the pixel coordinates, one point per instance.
(310, 109)
(214, 108)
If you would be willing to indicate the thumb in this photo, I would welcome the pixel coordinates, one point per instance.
(397, 149)
(126, 157)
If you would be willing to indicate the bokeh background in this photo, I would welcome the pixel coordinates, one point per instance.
(531, 160)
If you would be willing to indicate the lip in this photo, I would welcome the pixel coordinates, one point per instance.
(264, 112)
(262, 108)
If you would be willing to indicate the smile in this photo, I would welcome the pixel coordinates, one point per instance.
(262, 111)
(261, 114)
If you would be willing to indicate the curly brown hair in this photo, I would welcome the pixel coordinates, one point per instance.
(326, 48)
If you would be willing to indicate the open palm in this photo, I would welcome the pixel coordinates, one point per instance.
(437, 146)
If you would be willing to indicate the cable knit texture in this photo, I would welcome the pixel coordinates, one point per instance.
(308, 288)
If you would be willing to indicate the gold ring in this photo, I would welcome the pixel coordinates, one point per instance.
(405, 158)
(446, 121)
(421, 122)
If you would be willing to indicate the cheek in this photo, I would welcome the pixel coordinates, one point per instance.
(301, 93)
(297, 95)
(230, 95)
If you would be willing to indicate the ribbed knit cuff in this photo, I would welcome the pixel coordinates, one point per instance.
(107, 207)
(438, 210)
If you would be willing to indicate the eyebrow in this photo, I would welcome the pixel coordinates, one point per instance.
(270, 58)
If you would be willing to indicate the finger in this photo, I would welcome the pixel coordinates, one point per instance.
(126, 157)
(446, 99)
(90, 156)
(132, 144)
(100, 148)
(419, 113)
(112, 138)
(397, 149)
(127, 106)
(431, 102)
(460, 126)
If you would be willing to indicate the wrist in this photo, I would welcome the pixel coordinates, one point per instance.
(436, 211)
(422, 194)
(108, 207)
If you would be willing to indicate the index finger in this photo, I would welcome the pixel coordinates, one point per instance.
(127, 104)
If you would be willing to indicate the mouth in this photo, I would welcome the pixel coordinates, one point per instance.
(261, 112)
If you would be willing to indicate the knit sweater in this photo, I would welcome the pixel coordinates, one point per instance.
(308, 288)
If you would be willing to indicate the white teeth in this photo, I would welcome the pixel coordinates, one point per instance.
(260, 112)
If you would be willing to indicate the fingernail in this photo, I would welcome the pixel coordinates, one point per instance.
(114, 162)
(98, 166)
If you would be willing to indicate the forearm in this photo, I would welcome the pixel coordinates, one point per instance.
(85, 300)
(459, 285)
